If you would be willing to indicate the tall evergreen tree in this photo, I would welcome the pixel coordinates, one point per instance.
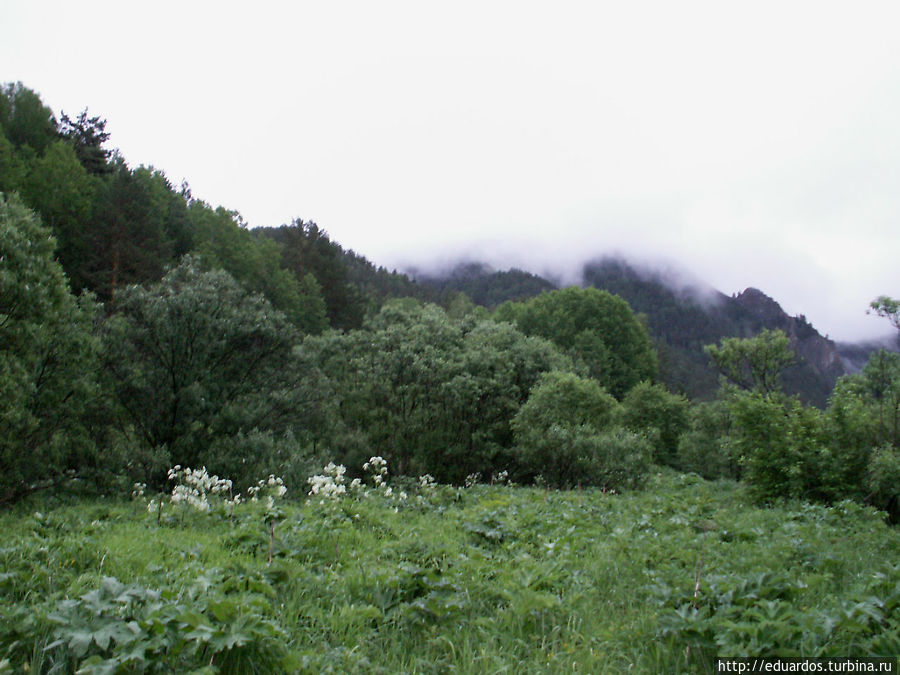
(87, 135)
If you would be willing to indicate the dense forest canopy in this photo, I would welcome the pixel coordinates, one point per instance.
(143, 328)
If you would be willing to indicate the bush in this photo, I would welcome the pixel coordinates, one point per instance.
(566, 457)
(883, 480)
(649, 407)
(194, 360)
(704, 448)
(780, 443)
(569, 400)
(619, 460)
(259, 453)
(568, 433)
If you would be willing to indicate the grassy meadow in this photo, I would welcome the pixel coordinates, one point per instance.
(482, 579)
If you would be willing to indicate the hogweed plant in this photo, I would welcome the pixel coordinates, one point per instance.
(197, 490)
(377, 467)
(500, 478)
(271, 490)
(330, 484)
(194, 487)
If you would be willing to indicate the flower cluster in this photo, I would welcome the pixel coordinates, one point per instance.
(473, 479)
(378, 467)
(501, 477)
(200, 480)
(272, 487)
(193, 486)
(330, 484)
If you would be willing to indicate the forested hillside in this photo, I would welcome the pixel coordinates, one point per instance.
(477, 462)
(682, 321)
(486, 286)
(143, 328)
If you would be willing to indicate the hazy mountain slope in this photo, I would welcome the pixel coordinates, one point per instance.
(683, 320)
(486, 286)
(681, 316)
(855, 355)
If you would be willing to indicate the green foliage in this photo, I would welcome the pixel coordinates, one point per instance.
(881, 378)
(194, 360)
(887, 307)
(48, 358)
(87, 136)
(851, 432)
(213, 623)
(481, 579)
(24, 119)
(134, 233)
(307, 249)
(649, 408)
(760, 616)
(566, 434)
(568, 400)
(781, 445)
(704, 448)
(864, 415)
(596, 328)
(430, 394)
(311, 314)
(223, 243)
(487, 287)
(683, 316)
(756, 363)
(882, 480)
(61, 191)
(12, 166)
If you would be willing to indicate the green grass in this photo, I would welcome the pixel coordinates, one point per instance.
(479, 580)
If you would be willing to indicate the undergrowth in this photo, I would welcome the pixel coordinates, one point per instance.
(482, 579)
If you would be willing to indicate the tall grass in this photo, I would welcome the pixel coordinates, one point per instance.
(488, 579)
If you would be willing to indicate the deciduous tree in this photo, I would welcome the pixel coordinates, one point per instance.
(48, 358)
(195, 359)
(756, 363)
(594, 327)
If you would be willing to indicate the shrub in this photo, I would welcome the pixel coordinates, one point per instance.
(555, 426)
(195, 359)
(619, 459)
(649, 407)
(704, 448)
(258, 453)
(780, 443)
(883, 480)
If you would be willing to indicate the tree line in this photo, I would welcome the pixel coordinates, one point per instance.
(142, 328)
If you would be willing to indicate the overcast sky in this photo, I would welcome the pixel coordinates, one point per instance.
(751, 143)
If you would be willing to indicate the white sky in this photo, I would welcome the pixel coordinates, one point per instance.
(752, 143)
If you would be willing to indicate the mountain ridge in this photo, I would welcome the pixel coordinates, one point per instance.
(682, 315)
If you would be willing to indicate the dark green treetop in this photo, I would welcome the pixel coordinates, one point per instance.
(594, 327)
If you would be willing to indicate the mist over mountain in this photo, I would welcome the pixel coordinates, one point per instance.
(485, 285)
(683, 314)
